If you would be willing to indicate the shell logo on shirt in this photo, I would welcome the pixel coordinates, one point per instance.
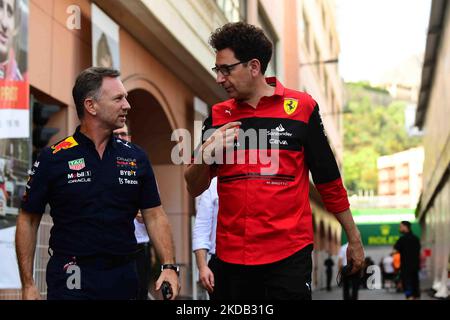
(65, 144)
(290, 105)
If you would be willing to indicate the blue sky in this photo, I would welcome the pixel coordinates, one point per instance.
(377, 35)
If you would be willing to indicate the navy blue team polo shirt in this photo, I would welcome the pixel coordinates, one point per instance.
(93, 201)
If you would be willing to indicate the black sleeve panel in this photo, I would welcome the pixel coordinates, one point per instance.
(207, 129)
(319, 156)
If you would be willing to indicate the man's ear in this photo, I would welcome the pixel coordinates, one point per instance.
(89, 106)
(255, 67)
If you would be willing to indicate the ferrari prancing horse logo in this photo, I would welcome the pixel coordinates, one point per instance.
(290, 105)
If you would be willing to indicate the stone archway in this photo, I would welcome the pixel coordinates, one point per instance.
(151, 123)
(150, 127)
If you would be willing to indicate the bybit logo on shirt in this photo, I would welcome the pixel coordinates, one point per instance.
(128, 173)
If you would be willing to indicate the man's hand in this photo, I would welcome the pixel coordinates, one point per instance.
(207, 278)
(355, 256)
(222, 138)
(31, 293)
(139, 217)
(171, 277)
(355, 250)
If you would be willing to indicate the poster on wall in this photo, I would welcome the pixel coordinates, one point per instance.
(105, 40)
(14, 88)
(14, 130)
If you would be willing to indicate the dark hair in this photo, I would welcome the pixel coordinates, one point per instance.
(406, 224)
(247, 42)
(88, 84)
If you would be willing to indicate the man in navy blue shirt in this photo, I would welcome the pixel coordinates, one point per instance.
(95, 184)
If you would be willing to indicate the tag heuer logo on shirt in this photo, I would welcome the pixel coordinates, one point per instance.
(290, 105)
(77, 164)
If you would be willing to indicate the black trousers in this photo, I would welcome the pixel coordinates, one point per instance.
(329, 274)
(351, 284)
(410, 282)
(93, 278)
(144, 269)
(287, 279)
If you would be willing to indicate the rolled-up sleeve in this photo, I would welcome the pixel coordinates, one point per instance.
(322, 164)
(204, 222)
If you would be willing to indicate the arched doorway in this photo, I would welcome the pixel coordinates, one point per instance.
(151, 129)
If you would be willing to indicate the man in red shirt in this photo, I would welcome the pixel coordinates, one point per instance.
(264, 229)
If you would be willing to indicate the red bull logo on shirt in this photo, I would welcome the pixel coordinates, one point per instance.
(126, 162)
(65, 144)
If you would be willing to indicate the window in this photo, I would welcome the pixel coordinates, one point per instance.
(268, 31)
(234, 10)
(306, 31)
(317, 58)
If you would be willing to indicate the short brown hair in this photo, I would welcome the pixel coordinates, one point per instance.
(88, 84)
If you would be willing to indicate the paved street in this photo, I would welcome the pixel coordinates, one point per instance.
(365, 294)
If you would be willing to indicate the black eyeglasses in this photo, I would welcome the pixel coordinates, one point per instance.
(226, 69)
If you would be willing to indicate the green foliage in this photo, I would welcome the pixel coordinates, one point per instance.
(374, 126)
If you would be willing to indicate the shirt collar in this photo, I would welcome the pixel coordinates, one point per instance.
(273, 82)
(83, 139)
(279, 88)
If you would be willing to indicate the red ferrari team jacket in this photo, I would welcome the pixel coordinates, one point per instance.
(264, 211)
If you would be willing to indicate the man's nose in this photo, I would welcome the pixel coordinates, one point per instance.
(220, 78)
(126, 105)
